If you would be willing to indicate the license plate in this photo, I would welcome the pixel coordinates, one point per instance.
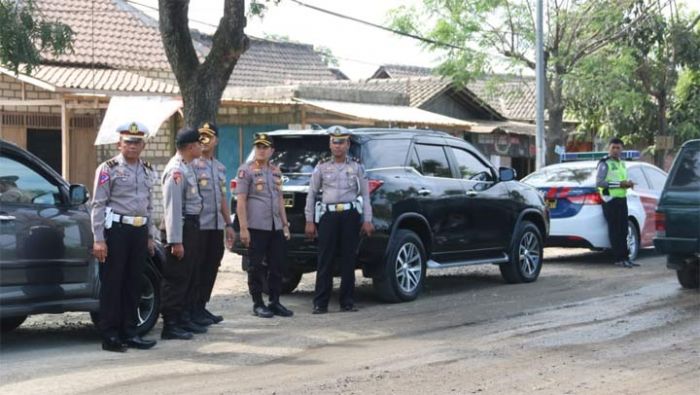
(288, 199)
(552, 204)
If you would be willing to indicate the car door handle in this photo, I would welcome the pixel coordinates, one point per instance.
(424, 192)
(4, 217)
(472, 193)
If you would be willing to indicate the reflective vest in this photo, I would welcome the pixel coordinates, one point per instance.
(617, 171)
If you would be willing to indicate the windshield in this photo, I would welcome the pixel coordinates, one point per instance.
(687, 173)
(562, 176)
(300, 154)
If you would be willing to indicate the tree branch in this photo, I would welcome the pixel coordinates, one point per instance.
(229, 41)
(177, 40)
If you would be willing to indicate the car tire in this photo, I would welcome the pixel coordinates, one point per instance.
(8, 324)
(525, 261)
(404, 270)
(633, 240)
(689, 275)
(149, 302)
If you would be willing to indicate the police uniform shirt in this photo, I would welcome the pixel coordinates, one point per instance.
(180, 197)
(341, 183)
(263, 186)
(126, 188)
(211, 177)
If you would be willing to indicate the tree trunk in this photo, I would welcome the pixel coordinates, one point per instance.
(555, 133)
(660, 154)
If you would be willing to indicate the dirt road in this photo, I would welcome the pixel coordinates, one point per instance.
(585, 327)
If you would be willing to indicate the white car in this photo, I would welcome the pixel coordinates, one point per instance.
(575, 206)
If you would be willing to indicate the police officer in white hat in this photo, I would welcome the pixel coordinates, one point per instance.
(123, 231)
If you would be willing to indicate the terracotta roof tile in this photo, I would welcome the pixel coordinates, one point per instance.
(100, 80)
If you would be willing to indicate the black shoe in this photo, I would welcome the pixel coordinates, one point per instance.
(262, 311)
(319, 310)
(214, 317)
(113, 344)
(190, 326)
(201, 319)
(348, 308)
(277, 309)
(173, 332)
(140, 343)
(622, 264)
(630, 263)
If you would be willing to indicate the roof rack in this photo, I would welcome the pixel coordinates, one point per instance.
(595, 155)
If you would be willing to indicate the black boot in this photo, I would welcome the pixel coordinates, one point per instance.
(200, 318)
(187, 324)
(140, 343)
(114, 344)
(277, 309)
(171, 330)
(214, 317)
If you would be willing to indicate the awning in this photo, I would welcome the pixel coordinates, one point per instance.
(149, 110)
(403, 115)
(523, 128)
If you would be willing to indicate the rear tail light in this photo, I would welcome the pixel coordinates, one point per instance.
(660, 222)
(592, 198)
(374, 185)
(233, 185)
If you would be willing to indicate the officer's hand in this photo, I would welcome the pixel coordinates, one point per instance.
(178, 250)
(310, 230)
(287, 234)
(99, 249)
(151, 247)
(367, 228)
(230, 237)
(245, 237)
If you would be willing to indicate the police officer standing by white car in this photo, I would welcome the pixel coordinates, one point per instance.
(123, 232)
(612, 183)
(342, 180)
(182, 205)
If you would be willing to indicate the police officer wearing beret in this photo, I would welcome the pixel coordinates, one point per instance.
(342, 180)
(263, 226)
(182, 205)
(215, 217)
(123, 232)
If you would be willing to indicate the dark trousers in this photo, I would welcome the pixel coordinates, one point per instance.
(337, 232)
(177, 284)
(211, 251)
(615, 212)
(267, 246)
(120, 278)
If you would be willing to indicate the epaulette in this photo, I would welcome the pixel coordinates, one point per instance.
(147, 165)
(112, 162)
(604, 159)
(355, 159)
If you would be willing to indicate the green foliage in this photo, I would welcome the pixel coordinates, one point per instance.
(24, 36)
(685, 112)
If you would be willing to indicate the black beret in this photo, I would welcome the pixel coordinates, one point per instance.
(186, 135)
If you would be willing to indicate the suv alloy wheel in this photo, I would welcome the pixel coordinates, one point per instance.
(525, 257)
(404, 268)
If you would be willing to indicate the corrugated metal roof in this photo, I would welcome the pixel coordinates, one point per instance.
(387, 113)
(77, 79)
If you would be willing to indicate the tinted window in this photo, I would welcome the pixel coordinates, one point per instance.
(413, 160)
(470, 167)
(20, 184)
(656, 178)
(433, 161)
(635, 174)
(300, 154)
(562, 175)
(686, 174)
(384, 153)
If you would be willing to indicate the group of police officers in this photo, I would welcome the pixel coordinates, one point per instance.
(197, 223)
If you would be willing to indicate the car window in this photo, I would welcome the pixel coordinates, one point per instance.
(384, 153)
(300, 154)
(635, 174)
(413, 160)
(686, 174)
(433, 161)
(21, 184)
(470, 167)
(562, 175)
(656, 178)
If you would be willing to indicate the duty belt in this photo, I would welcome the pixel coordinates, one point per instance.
(135, 221)
(339, 207)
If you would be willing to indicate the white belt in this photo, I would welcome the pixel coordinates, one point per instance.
(339, 207)
(133, 221)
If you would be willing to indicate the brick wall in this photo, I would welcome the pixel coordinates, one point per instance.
(11, 88)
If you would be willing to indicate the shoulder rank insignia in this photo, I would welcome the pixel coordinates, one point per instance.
(147, 164)
(112, 162)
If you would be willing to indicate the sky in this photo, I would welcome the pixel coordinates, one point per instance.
(360, 49)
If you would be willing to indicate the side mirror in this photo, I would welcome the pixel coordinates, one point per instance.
(78, 194)
(506, 174)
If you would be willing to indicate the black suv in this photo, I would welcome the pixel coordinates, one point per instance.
(46, 262)
(437, 203)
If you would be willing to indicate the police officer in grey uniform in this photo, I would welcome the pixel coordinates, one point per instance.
(263, 226)
(215, 217)
(123, 231)
(342, 180)
(182, 205)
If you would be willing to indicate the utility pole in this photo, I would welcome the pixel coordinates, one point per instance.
(539, 80)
